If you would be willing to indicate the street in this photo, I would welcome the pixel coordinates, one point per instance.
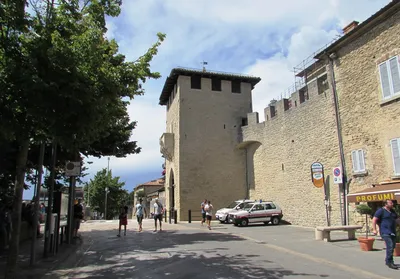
(192, 251)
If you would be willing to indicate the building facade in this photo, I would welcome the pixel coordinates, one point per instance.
(141, 191)
(205, 112)
(344, 113)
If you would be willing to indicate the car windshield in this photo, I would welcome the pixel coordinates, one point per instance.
(232, 205)
(248, 206)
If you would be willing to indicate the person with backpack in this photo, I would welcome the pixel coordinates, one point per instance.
(387, 219)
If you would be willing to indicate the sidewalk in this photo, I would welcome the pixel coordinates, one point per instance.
(344, 254)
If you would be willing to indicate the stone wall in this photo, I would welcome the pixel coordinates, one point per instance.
(368, 122)
(286, 145)
(210, 164)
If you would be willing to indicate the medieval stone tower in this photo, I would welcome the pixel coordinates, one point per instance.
(205, 112)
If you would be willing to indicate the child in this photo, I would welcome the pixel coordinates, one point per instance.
(123, 220)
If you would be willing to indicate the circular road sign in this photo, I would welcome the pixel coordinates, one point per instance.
(336, 171)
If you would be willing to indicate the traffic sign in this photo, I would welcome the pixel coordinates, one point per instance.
(73, 169)
(317, 174)
(337, 175)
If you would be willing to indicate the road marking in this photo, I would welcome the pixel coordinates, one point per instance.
(354, 270)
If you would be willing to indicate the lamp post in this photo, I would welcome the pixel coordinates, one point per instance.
(108, 181)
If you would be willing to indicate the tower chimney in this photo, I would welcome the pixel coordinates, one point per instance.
(350, 27)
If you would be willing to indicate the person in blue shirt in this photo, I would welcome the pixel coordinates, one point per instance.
(387, 219)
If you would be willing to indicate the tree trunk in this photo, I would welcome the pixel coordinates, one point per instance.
(16, 217)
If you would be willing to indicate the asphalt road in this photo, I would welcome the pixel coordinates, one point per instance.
(186, 252)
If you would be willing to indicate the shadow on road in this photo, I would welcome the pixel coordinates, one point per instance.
(172, 254)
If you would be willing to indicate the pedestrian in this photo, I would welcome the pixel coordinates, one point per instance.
(78, 217)
(387, 219)
(203, 212)
(123, 220)
(139, 213)
(158, 213)
(209, 211)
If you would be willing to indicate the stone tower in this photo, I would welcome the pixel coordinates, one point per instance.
(205, 112)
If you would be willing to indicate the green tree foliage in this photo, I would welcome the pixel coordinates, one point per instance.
(62, 80)
(117, 197)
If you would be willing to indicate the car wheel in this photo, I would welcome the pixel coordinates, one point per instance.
(244, 222)
(275, 221)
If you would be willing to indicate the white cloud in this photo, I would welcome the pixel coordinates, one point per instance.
(266, 38)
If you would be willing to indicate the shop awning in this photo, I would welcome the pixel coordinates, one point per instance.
(377, 193)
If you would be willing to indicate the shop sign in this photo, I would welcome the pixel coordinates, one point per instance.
(375, 197)
(317, 174)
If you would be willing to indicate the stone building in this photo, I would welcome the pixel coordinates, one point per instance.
(343, 112)
(366, 66)
(205, 112)
(143, 190)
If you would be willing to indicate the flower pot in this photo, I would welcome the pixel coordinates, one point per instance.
(366, 244)
(396, 252)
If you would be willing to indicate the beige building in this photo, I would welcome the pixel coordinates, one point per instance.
(143, 190)
(366, 65)
(343, 112)
(205, 112)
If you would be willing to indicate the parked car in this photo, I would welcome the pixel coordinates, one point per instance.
(223, 213)
(258, 212)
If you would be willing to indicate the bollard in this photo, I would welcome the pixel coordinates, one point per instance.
(165, 216)
(176, 216)
(190, 216)
(170, 216)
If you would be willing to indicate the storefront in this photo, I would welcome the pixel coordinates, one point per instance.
(376, 195)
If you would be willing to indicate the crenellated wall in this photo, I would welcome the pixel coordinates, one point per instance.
(302, 131)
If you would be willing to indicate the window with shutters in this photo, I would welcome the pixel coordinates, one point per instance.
(357, 157)
(395, 146)
(389, 72)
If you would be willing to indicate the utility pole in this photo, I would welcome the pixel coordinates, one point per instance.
(108, 181)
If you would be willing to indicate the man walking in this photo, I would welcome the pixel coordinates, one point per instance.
(387, 219)
(203, 212)
(158, 212)
(78, 216)
(209, 212)
(139, 214)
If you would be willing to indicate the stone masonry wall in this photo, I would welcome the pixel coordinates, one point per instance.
(210, 164)
(287, 146)
(368, 122)
(172, 167)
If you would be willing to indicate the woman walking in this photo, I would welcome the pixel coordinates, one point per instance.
(123, 220)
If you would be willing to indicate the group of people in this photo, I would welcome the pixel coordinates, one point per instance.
(140, 213)
(206, 213)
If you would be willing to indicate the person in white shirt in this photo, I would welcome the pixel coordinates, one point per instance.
(158, 213)
(209, 212)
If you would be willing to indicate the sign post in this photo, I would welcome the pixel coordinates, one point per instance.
(318, 179)
(337, 175)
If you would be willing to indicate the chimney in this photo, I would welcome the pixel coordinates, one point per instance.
(350, 27)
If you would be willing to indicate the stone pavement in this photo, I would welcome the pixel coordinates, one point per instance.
(192, 251)
(299, 241)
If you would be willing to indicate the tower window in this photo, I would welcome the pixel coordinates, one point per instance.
(215, 84)
(236, 86)
(195, 82)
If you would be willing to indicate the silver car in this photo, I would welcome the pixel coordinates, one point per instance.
(223, 213)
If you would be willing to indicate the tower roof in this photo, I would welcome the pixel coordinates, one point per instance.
(176, 72)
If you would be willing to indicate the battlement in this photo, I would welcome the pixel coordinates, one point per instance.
(316, 84)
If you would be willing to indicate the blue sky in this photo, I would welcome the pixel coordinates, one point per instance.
(265, 38)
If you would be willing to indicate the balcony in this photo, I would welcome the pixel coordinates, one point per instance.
(167, 145)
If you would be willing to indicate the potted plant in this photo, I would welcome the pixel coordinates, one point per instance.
(366, 243)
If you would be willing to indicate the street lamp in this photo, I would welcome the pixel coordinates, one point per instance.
(108, 182)
(105, 209)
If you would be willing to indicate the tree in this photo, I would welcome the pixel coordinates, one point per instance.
(61, 80)
(117, 196)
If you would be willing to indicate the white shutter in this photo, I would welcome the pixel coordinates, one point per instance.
(361, 162)
(354, 159)
(395, 74)
(385, 83)
(395, 143)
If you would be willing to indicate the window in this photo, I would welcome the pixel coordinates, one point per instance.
(195, 82)
(322, 84)
(273, 111)
(244, 121)
(215, 84)
(357, 156)
(390, 77)
(258, 207)
(395, 145)
(303, 95)
(236, 86)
